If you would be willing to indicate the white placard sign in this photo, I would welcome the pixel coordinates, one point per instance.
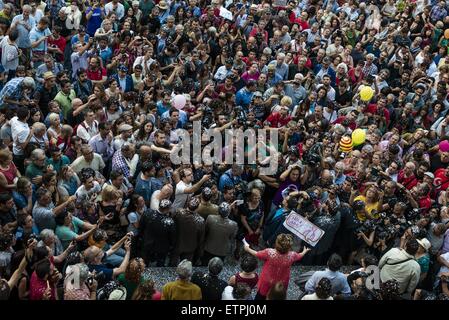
(225, 13)
(303, 228)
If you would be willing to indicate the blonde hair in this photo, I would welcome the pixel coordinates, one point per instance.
(286, 101)
(109, 193)
(52, 117)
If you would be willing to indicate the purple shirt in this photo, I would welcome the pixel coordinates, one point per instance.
(277, 200)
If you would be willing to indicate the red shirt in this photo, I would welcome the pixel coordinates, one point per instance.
(275, 269)
(222, 88)
(352, 125)
(409, 182)
(441, 181)
(60, 43)
(425, 203)
(276, 121)
(372, 108)
(96, 75)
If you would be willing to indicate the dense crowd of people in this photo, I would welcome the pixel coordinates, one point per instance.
(94, 100)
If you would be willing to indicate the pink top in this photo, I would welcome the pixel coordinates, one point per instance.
(38, 287)
(246, 76)
(9, 174)
(275, 269)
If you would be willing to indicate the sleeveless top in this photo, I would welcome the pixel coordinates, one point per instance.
(10, 175)
(250, 282)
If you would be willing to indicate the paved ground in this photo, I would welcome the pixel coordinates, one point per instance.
(163, 275)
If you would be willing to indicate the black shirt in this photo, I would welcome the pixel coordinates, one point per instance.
(44, 96)
(211, 286)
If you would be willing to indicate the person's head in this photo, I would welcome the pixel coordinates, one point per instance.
(135, 270)
(5, 157)
(94, 255)
(6, 201)
(43, 269)
(323, 288)
(248, 263)
(28, 84)
(159, 137)
(277, 292)
(184, 270)
(64, 218)
(334, 263)
(38, 157)
(412, 246)
(43, 23)
(87, 152)
(241, 291)
(215, 266)
(284, 243)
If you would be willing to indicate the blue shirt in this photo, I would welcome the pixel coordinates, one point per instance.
(105, 54)
(35, 35)
(227, 179)
(243, 97)
(144, 188)
(24, 40)
(95, 20)
(161, 109)
(76, 38)
(338, 280)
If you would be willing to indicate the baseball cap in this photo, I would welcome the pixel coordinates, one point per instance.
(429, 174)
(123, 68)
(257, 94)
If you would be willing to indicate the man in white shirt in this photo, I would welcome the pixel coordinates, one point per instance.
(116, 7)
(88, 128)
(21, 136)
(184, 188)
(89, 159)
(125, 135)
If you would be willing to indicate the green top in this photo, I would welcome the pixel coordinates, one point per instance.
(67, 234)
(130, 286)
(57, 166)
(33, 171)
(65, 102)
(424, 262)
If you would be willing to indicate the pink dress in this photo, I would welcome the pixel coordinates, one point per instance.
(275, 269)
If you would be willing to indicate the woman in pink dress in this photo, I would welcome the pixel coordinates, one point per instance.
(277, 264)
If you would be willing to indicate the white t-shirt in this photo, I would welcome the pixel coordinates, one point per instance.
(180, 196)
(91, 194)
(227, 293)
(19, 133)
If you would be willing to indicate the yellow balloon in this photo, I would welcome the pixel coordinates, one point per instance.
(366, 93)
(446, 33)
(358, 137)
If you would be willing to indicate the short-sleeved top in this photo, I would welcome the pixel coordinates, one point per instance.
(58, 165)
(35, 35)
(180, 196)
(370, 208)
(108, 273)
(67, 234)
(33, 171)
(275, 269)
